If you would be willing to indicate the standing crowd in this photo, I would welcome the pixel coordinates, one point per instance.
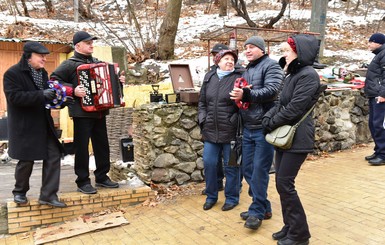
(277, 93)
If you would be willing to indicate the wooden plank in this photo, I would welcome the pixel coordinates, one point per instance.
(81, 225)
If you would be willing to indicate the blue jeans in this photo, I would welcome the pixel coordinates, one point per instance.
(211, 155)
(257, 157)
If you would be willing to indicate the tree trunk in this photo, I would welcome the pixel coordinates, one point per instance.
(223, 8)
(168, 30)
(49, 7)
(26, 13)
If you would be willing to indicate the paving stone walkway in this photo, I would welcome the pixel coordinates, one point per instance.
(343, 197)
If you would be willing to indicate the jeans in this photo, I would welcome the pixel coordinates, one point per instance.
(211, 155)
(257, 157)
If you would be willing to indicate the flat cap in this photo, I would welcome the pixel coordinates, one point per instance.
(35, 47)
(82, 36)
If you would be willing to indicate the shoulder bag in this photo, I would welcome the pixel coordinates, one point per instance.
(282, 137)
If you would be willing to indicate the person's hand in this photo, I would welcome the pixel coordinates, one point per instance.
(236, 94)
(69, 100)
(122, 77)
(380, 99)
(49, 94)
(80, 91)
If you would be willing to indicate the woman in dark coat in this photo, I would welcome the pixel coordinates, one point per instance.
(218, 117)
(32, 135)
(300, 92)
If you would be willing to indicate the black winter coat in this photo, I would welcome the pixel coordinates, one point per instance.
(375, 76)
(29, 122)
(217, 113)
(66, 74)
(300, 92)
(266, 76)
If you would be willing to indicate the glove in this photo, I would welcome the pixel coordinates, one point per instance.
(265, 124)
(49, 94)
(69, 100)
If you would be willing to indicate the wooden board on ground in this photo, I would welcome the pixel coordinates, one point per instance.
(81, 225)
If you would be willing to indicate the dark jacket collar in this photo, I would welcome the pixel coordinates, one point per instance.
(255, 62)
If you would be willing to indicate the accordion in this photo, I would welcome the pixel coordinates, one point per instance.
(102, 86)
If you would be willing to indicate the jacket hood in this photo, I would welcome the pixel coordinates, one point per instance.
(307, 48)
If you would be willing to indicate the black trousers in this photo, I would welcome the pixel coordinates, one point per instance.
(287, 166)
(50, 175)
(96, 130)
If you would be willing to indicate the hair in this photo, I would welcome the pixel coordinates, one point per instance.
(27, 55)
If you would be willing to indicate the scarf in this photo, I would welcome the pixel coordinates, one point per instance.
(221, 73)
(37, 76)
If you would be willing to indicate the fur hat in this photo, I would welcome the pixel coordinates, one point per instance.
(222, 53)
(256, 41)
(377, 38)
(291, 42)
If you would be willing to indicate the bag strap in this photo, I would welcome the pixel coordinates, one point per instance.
(239, 125)
(304, 116)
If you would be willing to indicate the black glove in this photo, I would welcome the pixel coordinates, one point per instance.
(265, 125)
(69, 100)
(49, 94)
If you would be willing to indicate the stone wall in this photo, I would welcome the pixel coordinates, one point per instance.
(168, 147)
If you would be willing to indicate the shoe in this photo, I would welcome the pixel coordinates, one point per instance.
(53, 203)
(227, 206)
(367, 158)
(253, 223)
(107, 183)
(287, 241)
(208, 205)
(87, 189)
(279, 235)
(245, 215)
(204, 192)
(20, 199)
(377, 161)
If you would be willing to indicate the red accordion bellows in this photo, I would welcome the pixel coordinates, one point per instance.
(103, 89)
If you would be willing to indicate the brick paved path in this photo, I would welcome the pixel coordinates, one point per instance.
(343, 197)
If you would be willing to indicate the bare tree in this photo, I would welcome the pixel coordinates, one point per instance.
(26, 13)
(49, 7)
(240, 7)
(168, 29)
(279, 16)
(223, 8)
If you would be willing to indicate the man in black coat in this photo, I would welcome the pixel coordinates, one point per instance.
(375, 92)
(87, 124)
(32, 135)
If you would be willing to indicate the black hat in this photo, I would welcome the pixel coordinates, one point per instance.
(82, 36)
(218, 47)
(377, 38)
(35, 47)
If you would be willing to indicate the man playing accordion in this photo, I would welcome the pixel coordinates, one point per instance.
(87, 124)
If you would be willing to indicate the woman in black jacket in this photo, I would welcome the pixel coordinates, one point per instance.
(300, 92)
(218, 121)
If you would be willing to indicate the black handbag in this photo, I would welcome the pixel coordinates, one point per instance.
(235, 159)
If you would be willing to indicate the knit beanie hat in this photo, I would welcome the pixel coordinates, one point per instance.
(291, 42)
(256, 41)
(222, 53)
(377, 38)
